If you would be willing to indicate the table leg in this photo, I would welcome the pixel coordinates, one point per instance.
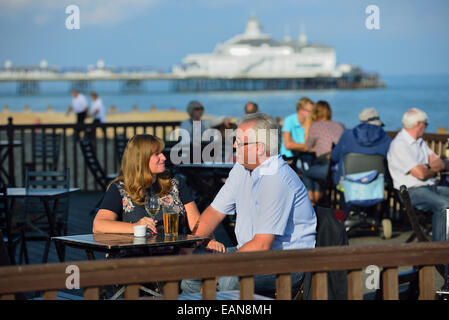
(90, 254)
(51, 221)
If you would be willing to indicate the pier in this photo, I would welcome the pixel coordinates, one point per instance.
(28, 80)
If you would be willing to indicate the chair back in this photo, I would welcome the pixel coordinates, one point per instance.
(330, 232)
(359, 162)
(46, 149)
(92, 162)
(34, 209)
(404, 197)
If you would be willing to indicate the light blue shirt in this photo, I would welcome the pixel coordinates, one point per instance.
(292, 125)
(269, 200)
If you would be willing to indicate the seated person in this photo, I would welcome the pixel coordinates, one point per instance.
(296, 128)
(323, 133)
(272, 206)
(412, 163)
(367, 138)
(142, 174)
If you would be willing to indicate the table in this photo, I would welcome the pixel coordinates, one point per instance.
(45, 195)
(6, 151)
(113, 243)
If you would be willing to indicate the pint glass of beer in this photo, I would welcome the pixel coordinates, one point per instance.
(170, 216)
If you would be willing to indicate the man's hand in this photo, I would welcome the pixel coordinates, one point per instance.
(216, 247)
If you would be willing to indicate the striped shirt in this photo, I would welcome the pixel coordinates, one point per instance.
(322, 134)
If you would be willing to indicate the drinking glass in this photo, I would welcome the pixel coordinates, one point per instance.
(152, 207)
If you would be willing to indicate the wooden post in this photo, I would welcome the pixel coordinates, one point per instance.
(283, 287)
(50, 295)
(91, 293)
(319, 286)
(209, 289)
(132, 292)
(427, 283)
(170, 290)
(246, 288)
(390, 285)
(355, 289)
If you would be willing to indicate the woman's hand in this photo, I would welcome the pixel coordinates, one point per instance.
(216, 246)
(150, 223)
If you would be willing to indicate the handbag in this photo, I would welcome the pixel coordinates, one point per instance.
(363, 189)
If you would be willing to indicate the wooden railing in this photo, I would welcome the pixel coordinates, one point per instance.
(172, 269)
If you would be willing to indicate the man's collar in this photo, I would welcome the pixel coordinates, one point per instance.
(268, 167)
(408, 138)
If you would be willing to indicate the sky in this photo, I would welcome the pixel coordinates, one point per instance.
(413, 37)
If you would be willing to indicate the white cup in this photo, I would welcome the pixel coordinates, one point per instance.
(140, 231)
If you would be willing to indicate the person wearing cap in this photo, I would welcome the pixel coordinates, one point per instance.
(367, 138)
(195, 110)
(412, 163)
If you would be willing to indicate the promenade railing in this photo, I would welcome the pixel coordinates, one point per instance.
(70, 153)
(170, 270)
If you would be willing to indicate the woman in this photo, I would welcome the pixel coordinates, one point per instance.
(142, 175)
(323, 133)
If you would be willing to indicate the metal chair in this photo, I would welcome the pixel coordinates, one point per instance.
(373, 216)
(35, 221)
(45, 151)
(10, 236)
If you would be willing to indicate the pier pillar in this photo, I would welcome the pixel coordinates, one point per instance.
(28, 87)
(81, 86)
(132, 86)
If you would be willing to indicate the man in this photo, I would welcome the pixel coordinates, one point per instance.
(79, 106)
(251, 107)
(413, 164)
(367, 138)
(195, 110)
(97, 110)
(272, 205)
(295, 128)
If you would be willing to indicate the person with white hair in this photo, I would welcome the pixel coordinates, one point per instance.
(412, 163)
(367, 138)
(273, 209)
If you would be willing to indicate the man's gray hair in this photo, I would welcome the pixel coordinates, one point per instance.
(266, 130)
(412, 116)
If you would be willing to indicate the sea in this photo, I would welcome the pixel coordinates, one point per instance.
(427, 92)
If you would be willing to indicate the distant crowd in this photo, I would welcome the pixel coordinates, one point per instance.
(321, 144)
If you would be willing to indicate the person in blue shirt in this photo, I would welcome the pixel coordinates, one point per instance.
(368, 138)
(296, 127)
(272, 205)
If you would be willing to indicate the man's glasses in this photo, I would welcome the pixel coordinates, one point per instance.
(241, 144)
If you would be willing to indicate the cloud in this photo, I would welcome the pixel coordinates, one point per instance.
(92, 12)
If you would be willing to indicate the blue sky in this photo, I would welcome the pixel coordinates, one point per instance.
(413, 36)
